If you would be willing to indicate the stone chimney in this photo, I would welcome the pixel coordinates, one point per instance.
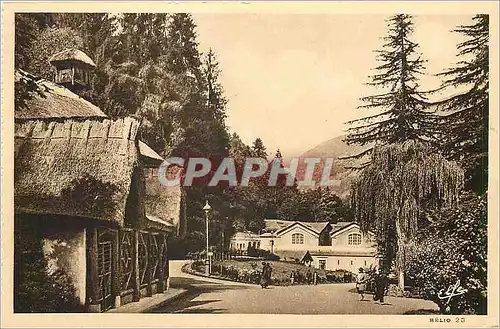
(73, 69)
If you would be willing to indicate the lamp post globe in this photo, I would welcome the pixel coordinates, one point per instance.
(207, 208)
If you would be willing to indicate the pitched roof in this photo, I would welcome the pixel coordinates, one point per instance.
(307, 257)
(72, 55)
(316, 226)
(339, 226)
(66, 168)
(278, 226)
(56, 102)
(149, 156)
(273, 225)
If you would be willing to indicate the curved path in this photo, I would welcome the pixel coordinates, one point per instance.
(207, 295)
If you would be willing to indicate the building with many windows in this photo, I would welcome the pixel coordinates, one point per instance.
(341, 245)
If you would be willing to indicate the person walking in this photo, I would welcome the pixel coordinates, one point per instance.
(263, 276)
(292, 278)
(269, 275)
(380, 283)
(315, 278)
(361, 283)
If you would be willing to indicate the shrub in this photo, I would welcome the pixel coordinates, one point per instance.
(198, 266)
(454, 249)
(395, 291)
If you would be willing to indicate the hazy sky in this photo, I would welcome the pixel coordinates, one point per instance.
(293, 80)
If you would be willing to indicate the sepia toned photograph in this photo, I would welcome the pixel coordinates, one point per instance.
(187, 162)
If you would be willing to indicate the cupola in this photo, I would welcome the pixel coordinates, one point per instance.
(73, 68)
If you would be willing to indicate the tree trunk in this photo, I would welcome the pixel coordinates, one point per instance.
(400, 258)
(401, 279)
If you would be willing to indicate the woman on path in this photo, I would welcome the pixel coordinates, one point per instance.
(268, 274)
(265, 274)
(361, 283)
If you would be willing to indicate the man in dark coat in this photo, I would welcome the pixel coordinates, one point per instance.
(380, 283)
(309, 277)
(265, 278)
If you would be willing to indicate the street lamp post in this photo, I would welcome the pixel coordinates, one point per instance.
(207, 209)
(272, 242)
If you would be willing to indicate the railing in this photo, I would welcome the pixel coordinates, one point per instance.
(127, 262)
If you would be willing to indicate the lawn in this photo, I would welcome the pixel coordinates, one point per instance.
(281, 271)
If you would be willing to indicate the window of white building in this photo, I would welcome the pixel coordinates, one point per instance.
(322, 264)
(297, 238)
(354, 239)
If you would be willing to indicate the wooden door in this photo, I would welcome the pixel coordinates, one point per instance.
(105, 261)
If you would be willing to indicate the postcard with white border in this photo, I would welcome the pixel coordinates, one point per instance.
(250, 164)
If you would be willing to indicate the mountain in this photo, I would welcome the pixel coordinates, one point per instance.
(333, 149)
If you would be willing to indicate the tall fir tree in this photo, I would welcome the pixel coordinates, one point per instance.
(465, 126)
(184, 53)
(259, 149)
(403, 114)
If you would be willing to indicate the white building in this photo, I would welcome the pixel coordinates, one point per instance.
(244, 240)
(331, 246)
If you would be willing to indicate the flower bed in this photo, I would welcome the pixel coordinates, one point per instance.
(250, 271)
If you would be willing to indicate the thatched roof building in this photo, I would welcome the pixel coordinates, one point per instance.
(56, 102)
(72, 160)
(66, 168)
(71, 55)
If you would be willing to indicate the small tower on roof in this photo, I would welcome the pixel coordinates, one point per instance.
(73, 68)
(278, 154)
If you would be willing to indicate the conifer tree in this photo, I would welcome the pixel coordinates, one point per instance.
(466, 123)
(402, 106)
(259, 149)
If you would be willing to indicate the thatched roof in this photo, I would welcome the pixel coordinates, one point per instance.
(75, 168)
(149, 157)
(164, 204)
(71, 55)
(57, 102)
(83, 164)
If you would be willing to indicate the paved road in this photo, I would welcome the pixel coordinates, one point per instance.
(217, 296)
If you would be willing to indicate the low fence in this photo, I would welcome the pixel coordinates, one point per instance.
(249, 254)
(234, 273)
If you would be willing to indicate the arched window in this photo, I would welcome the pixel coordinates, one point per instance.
(354, 239)
(297, 238)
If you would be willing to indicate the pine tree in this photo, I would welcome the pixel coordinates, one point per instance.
(403, 113)
(184, 54)
(466, 127)
(27, 27)
(259, 149)
(144, 36)
(238, 149)
(216, 100)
